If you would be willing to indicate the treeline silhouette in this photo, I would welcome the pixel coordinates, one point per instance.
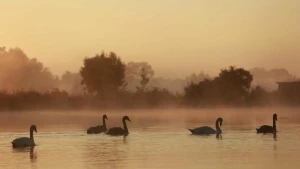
(104, 81)
(61, 100)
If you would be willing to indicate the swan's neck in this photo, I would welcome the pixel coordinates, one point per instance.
(217, 125)
(31, 134)
(125, 127)
(104, 124)
(274, 124)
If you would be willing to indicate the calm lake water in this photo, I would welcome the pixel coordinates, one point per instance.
(157, 139)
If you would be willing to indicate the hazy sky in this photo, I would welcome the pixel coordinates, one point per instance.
(175, 36)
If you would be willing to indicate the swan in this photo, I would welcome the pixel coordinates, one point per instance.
(267, 128)
(118, 131)
(25, 141)
(208, 130)
(98, 129)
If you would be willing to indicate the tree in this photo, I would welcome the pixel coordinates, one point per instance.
(138, 72)
(196, 78)
(17, 71)
(133, 69)
(103, 73)
(268, 78)
(71, 82)
(234, 83)
(257, 96)
(144, 80)
(202, 93)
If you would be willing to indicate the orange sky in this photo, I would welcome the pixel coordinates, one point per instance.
(176, 37)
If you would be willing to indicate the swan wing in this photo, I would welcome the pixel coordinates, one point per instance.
(96, 130)
(90, 130)
(99, 129)
(23, 141)
(203, 130)
(265, 129)
(116, 131)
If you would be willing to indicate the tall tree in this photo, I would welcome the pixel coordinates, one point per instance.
(103, 74)
(138, 74)
(231, 86)
(17, 71)
(134, 69)
(202, 93)
(234, 83)
(71, 82)
(145, 77)
(196, 78)
(268, 78)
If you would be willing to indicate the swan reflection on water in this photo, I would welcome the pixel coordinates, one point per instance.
(32, 153)
(275, 136)
(125, 139)
(219, 136)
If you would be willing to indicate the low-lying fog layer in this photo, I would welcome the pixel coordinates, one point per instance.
(175, 118)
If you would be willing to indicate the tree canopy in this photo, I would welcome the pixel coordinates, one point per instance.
(18, 72)
(103, 73)
(134, 69)
(138, 74)
(234, 83)
(71, 82)
(230, 86)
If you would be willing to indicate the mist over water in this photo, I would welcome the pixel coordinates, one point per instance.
(176, 118)
(158, 139)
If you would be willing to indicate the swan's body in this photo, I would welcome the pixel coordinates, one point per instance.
(98, 129)
(208, 130)
(25, 141)
(267, 128)
(118, 131)
(203, 130)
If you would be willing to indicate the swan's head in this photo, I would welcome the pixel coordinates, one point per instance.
(105, 117)
(220, 120)
(275, 116)
(126, 118)
(33, 128)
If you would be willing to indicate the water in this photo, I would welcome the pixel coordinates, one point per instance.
(152, 143)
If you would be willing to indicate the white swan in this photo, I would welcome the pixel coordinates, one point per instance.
(118, 131)
(25, 141)
(208, 130)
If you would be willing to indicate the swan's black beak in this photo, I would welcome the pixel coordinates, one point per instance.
(35, 130)
(129, 120)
